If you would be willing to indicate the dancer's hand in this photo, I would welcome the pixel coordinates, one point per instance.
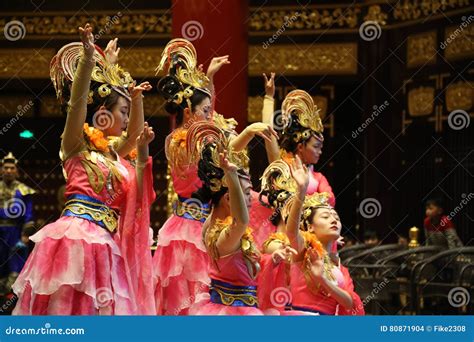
(226, 165)
(87, 39)
(146, 136)
(216, 64)
(316, 265)
(135, 90)
(300, 174)
(269, 84)
(262, 130)
(284, 253)
(112, 52)
(340, 241)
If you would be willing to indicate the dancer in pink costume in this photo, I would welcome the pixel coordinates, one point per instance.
(302, 135)
(227, 237)
(94, 258)
(319, 283)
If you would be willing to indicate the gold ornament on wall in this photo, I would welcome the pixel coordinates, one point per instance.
(421, 101)
(421, 49)
(460, 96)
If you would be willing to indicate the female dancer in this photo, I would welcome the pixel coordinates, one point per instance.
(301, 135)
(319, 283)
(83, 263)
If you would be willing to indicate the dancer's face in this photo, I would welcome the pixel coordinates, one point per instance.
(326, 224)
(310, 151)
(119, 120)
(202, 111)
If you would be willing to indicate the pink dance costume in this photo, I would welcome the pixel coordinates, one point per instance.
(309, 298)
(93, 259)
(233, 289)
(181, 263)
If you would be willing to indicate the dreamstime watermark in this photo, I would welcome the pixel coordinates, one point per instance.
(192, 30)
(6, 306)
(377, 288)
(21, 111)
(280, 297)
(458, 296)
(369, 208)
(465, 200)
(104, 296)
(14, 208)
(288, 22)
(465, 23)
(370, 30)
(46, 330)
(458, 119)
(14, 30)
(280, 120)
(377, 111)
(103, 119)
(192, 299)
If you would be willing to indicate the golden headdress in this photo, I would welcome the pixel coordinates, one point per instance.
(64, 64)
(278, 186)
(318, 199)
(204, 142)
(179, 61)
(301, 116)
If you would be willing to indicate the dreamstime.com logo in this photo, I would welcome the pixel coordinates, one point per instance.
(46, 330)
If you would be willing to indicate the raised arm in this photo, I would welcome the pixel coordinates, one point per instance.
(229, 241)
(300, 174)
(72, 138)
(135, 123)
(262, 130)
(271, 146)
(215, 65)
(144, 139)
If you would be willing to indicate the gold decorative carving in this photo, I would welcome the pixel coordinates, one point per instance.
(307, 59)
(411, 10)
(153, 105)
(141, 61)
(254, 108)
(303, 18)
(459, 40)
(421, 49)
(376, 14)
(460, 96)
(421, 101)
(151, 22)
(25, 63)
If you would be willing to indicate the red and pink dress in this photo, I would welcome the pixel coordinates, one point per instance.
(94, 258)
(233, 289)
(181, 263)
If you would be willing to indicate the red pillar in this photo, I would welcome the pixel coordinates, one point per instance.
(216, 29)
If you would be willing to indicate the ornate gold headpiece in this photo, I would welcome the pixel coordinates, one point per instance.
(318, 199)
(179, 61)
(64, 64)
(300, 105)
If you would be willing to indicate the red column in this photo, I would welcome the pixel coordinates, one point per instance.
(219, 28)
